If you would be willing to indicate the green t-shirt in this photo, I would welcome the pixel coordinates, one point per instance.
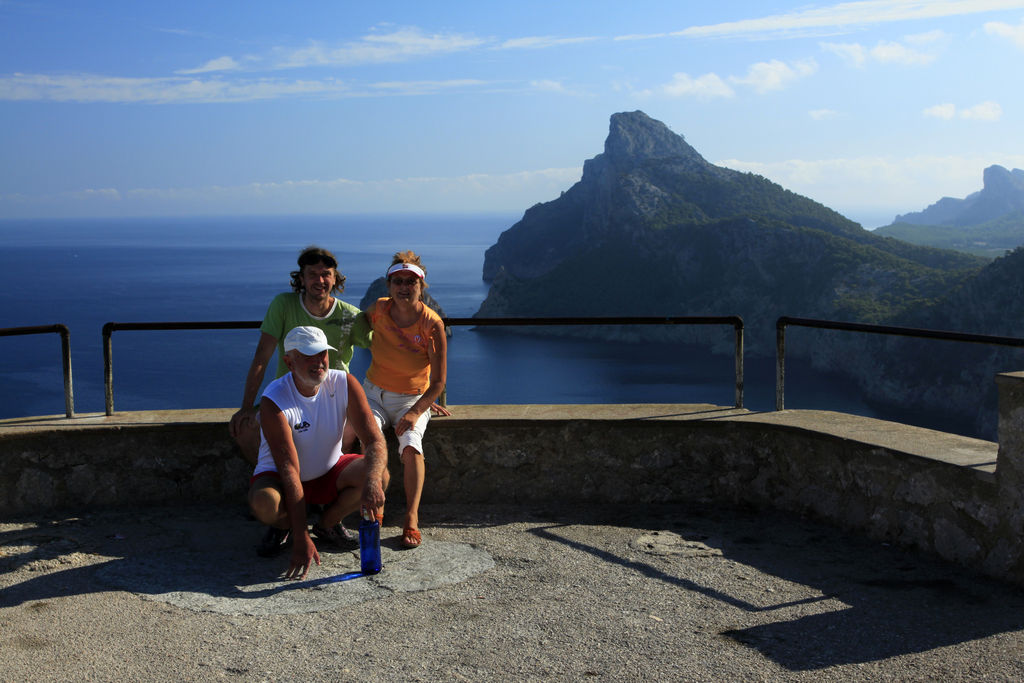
(345, 327)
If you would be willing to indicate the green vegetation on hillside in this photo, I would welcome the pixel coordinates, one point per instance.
(988, 240)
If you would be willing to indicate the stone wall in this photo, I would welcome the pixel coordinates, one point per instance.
(118, 466)
(890, 495)
(1006, 556)
(937, 492)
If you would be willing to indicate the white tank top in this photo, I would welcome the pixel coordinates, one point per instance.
(317, 423)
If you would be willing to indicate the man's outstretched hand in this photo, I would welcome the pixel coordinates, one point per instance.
(304, 552)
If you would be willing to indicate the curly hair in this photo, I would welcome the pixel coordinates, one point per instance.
(311, 256)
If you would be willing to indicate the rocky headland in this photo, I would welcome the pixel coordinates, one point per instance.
(987, 222)
(652, 228)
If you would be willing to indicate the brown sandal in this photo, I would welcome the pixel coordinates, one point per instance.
(411, 537)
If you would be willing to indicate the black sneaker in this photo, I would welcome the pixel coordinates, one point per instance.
(314, 511)
(274, 541)
(337, 535)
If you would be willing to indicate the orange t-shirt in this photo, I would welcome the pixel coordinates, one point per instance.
(400, 354)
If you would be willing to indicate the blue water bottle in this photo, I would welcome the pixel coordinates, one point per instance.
(369, 543)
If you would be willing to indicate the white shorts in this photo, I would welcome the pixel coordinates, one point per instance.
(389, 407)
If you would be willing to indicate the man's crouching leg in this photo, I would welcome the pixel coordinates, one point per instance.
(350, 483)
(266, 501)
(267, 504)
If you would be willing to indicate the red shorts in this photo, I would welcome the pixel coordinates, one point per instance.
(322, 490)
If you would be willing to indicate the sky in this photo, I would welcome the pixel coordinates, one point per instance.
(118, 108)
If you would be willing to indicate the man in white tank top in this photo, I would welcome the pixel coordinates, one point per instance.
(302, 419)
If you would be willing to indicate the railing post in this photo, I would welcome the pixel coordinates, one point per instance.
(65, 356)
(739, 364)
(780, 364)
(65, 348)
(108, 369)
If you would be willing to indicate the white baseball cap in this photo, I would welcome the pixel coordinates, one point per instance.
(307, 340)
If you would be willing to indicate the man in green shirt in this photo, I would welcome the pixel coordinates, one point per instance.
(312, 302)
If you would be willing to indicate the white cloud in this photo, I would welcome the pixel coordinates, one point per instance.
(472, 192)
(180, 32)
(775, 75)
(763, 77)
(424, 87)
(93, 88)
(706, 87)
(219, 64)
(888, 52)
(399, 45)
(539, 42)
(878, 186)
(848, 16)
(854, 54)
(547, 85)
(642, 36)
(393, 45)
(941, 111)
(927, 38)
(822, 114)
(87, 88)
(983, 111)
(1014, 33)
(107, 193)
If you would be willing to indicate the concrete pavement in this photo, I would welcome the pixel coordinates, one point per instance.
(496, 592)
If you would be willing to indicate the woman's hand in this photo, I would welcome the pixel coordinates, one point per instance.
(407, 422)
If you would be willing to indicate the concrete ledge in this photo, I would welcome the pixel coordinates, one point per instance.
(916, 487)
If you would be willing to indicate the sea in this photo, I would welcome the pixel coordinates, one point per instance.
(84, 273)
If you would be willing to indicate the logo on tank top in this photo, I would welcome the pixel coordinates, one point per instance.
(302, 426)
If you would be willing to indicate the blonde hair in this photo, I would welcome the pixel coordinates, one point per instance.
(410, 256)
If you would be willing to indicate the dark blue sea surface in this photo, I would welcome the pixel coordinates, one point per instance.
(85, 273)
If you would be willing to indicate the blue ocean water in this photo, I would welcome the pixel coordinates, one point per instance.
(85, 273)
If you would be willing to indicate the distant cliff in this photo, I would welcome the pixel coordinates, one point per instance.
(956, 379)
(1002, 193)
(988, 222)
(652, 228)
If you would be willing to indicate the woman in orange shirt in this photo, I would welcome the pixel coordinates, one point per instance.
(407, 373)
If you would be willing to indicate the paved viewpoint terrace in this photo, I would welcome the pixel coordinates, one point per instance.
(566, 543)
(629, 592)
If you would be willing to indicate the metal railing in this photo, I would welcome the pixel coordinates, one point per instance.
(735, 321)
(110, 328)
(784, 321)
(65, 346)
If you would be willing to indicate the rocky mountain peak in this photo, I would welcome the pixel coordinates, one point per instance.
(998, 180)
(647, 180)
(1002, 193)
(634, 137)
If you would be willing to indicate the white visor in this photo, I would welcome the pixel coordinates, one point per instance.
(411, 267)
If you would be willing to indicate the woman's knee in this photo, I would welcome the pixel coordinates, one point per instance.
(411, 456)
